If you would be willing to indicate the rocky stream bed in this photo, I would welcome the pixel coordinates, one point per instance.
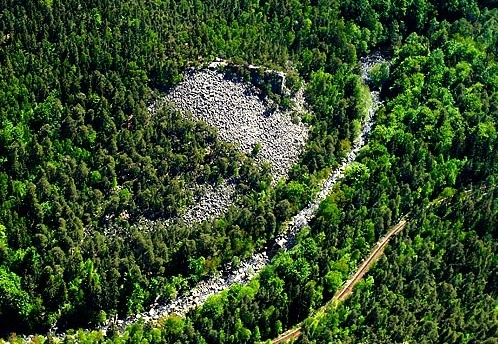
(244, 121)
(251, 266)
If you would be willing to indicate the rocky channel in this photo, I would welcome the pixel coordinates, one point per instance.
(248, 268)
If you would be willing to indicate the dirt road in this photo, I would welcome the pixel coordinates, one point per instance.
(348, 286)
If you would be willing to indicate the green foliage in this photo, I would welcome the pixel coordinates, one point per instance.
(441, 289)
(14, 301)
(81, 159)
(420, 292)
(379, 75)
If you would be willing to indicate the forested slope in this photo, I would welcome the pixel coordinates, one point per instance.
(80, 152)
(436, 283)
(438, 279)
(78, 148)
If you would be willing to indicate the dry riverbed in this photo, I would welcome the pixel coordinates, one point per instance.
(242, 117)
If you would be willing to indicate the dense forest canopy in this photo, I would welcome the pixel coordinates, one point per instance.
(81, 153)
(438, 280)
(79, 148)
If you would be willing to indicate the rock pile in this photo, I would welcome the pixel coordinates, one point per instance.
(241, 117)
(236, 110)
(212, 204)
(248, 268)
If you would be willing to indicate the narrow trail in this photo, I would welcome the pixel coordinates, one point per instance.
(288, 336)
(377, 251)
(348, 286)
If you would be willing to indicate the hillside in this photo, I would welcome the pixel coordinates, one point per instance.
(84, 164)
(115, 138)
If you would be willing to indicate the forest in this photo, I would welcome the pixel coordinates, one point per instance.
(78, 149)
